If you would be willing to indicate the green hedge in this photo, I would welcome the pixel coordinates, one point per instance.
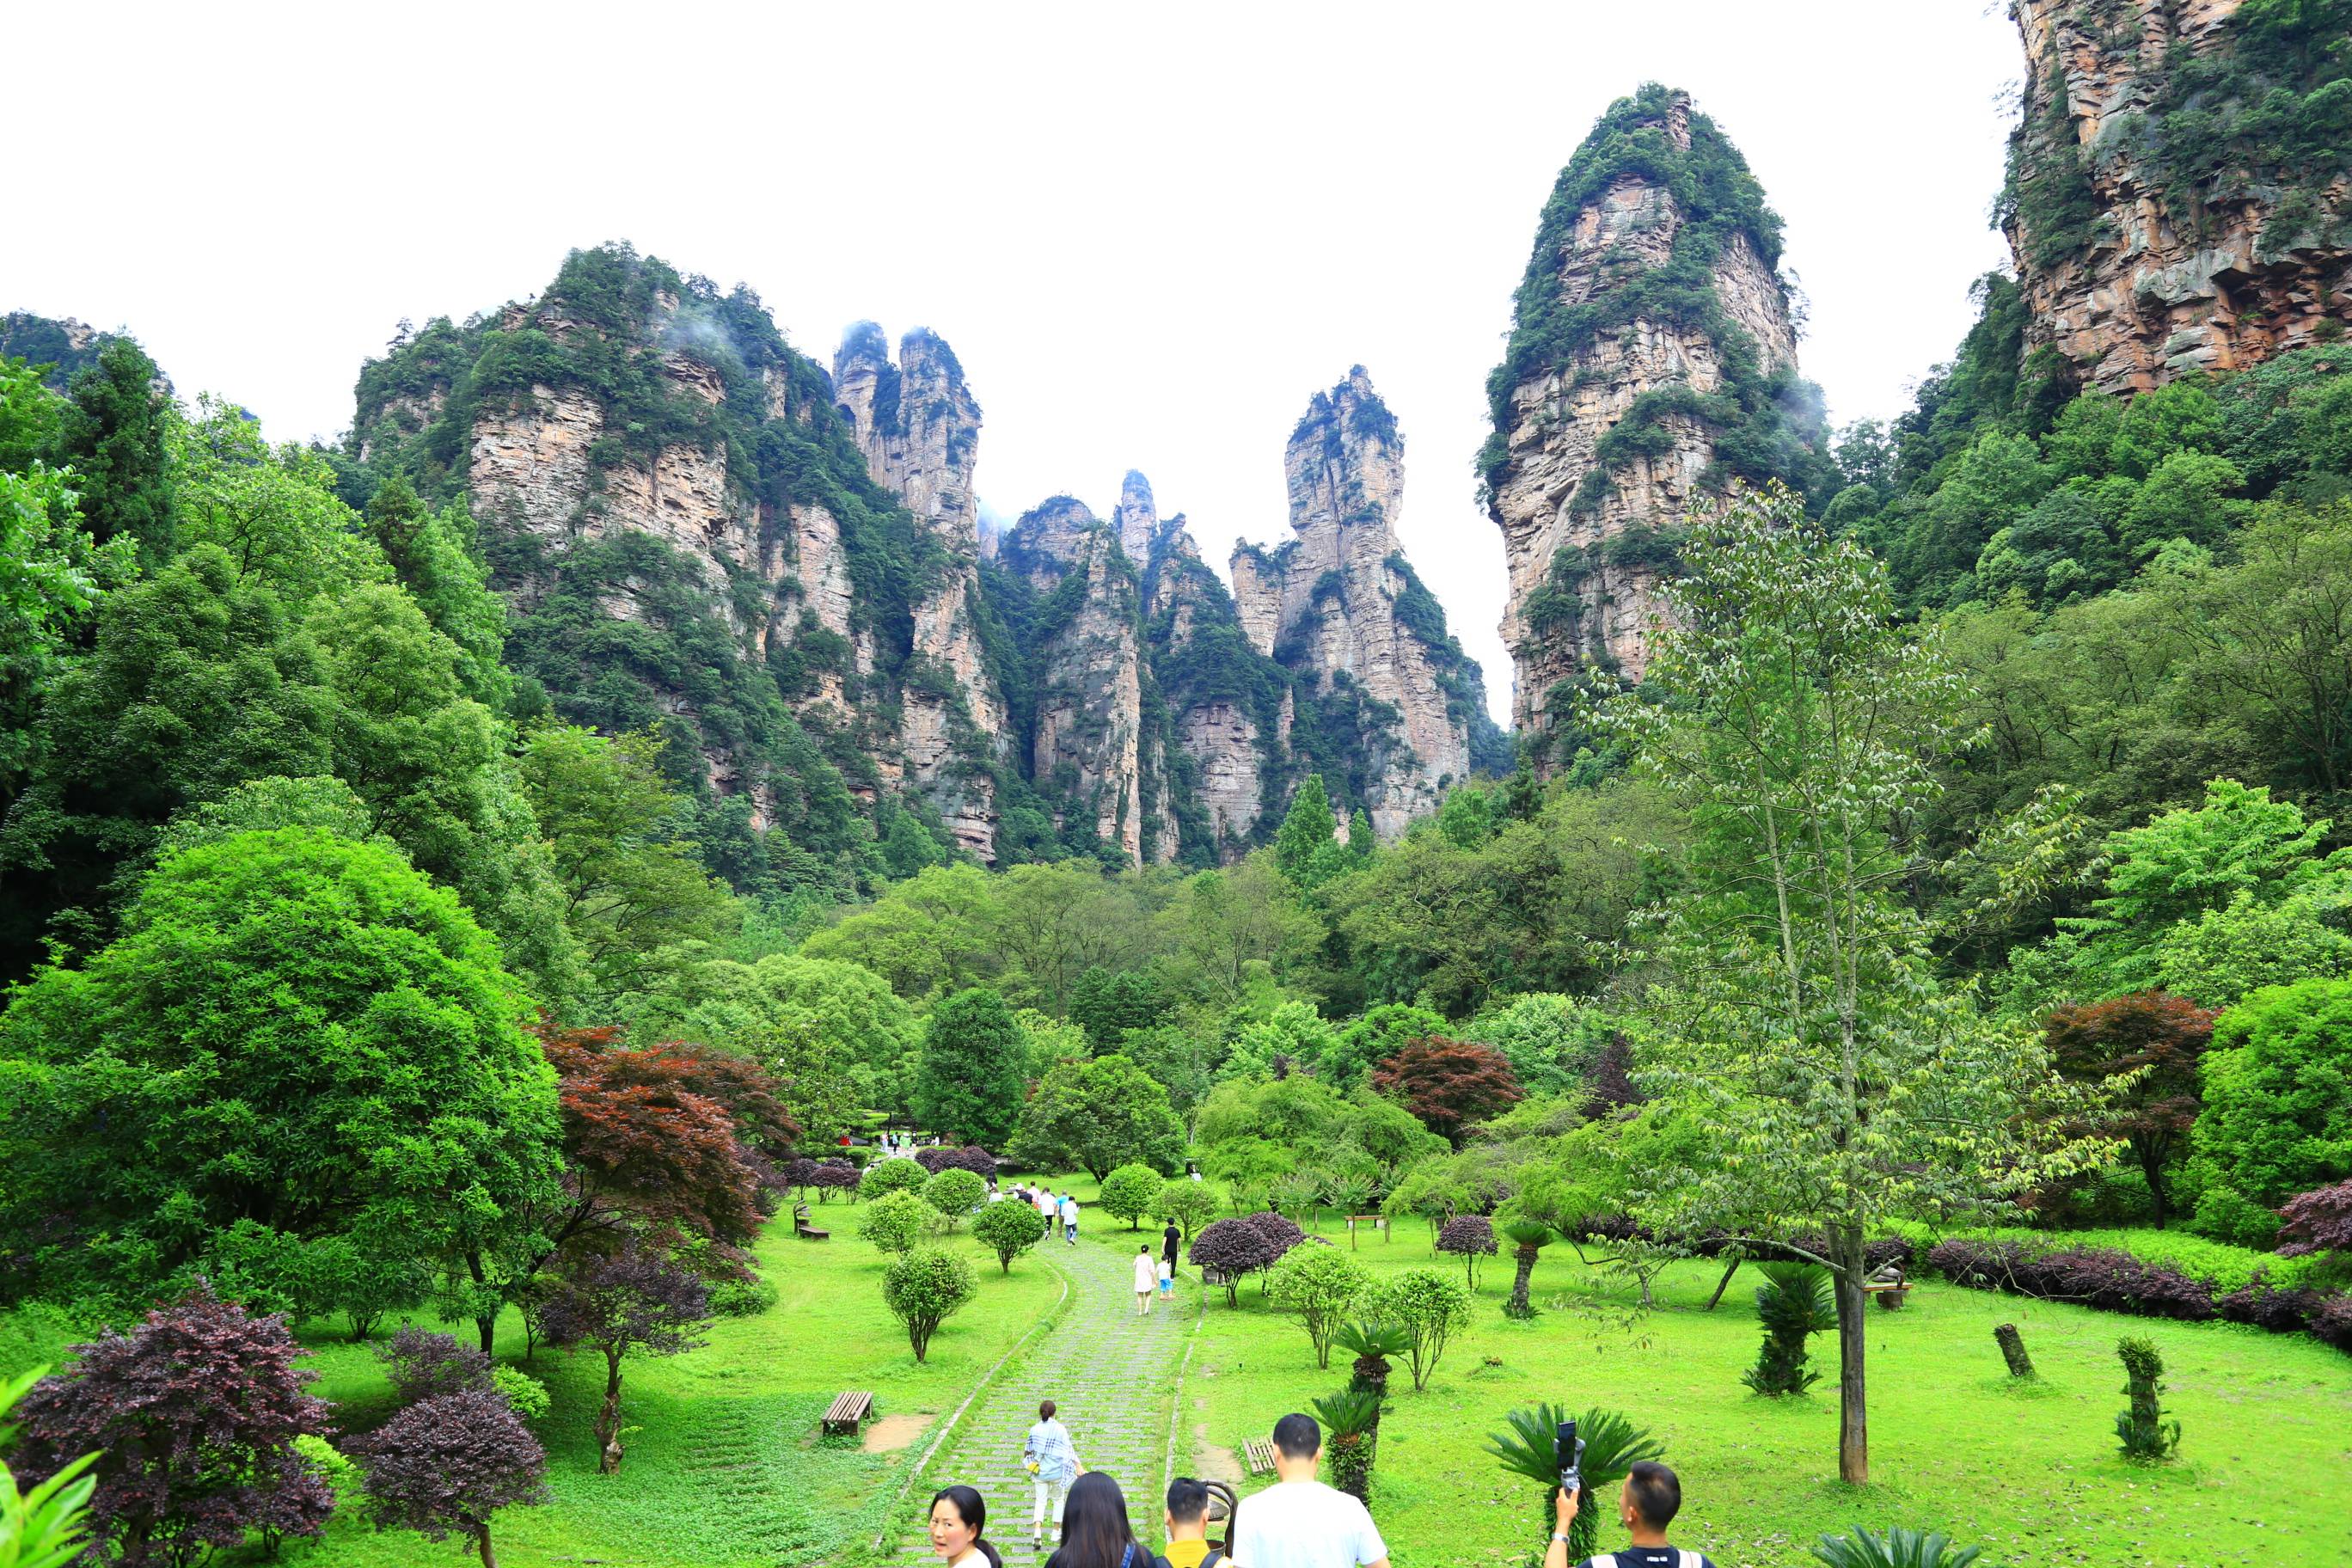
(2225, 1266)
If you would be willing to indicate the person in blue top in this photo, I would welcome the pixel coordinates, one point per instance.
(1646, 1504)
(1052, 1459)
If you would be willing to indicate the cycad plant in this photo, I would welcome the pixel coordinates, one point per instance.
(1613, 1446)
(1351, 1425)
(1297, 1194)
(2142, 1426)
(1530, 1237)
(1794, 1302)
(1373, 1344)
(1898, 1547)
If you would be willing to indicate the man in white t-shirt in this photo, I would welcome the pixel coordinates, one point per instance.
(1070, 1218)
(1299, 1522)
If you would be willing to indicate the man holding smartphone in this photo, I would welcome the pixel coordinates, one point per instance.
(1646, 1504)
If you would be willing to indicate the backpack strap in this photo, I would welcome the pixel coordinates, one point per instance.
(1685, 1558)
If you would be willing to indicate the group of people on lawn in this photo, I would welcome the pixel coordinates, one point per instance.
(1296, 1522)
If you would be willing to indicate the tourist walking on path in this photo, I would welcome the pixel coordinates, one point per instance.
(1167, 1280)
(1299, 1522)
(1172, 1241)
(1146, 1279)
(1052, 1457)
(957, 1513)
(1070, 1218)
(1096, 1534)
(1188, 1528)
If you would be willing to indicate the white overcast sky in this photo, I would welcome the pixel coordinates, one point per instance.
(1151, 233)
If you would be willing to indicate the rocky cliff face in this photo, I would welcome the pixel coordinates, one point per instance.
(2176, 193)
(696, 527)
(1393, 700)
(919, 426)
(1086, 651)
(1651, 361)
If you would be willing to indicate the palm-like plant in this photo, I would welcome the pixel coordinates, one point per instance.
(1794, 1302)
(1299, 1192)
(1613, 1446)
(1898, 1547)
(1373, 1344)
(1530, 1237)
(1351, 1421)
(1348, 1194)
(48, 1525)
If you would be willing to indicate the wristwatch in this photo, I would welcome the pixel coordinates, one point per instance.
(1556, 1535)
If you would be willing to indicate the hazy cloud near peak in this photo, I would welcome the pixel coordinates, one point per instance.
(1151, 237)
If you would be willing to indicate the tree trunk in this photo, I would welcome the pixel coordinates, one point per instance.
(608, 1419)
(2012, 1349)
(1853, 1420)
(1516, 1307)
(2154, 1170)
(1724, 1284)
(488, 1329)
(489, 1558)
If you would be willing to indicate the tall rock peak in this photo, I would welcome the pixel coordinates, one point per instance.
(1398, 708)
(1652, 361)
(1136, 518)
(2179, 183)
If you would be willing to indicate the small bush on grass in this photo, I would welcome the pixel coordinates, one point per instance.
(955, 1193)
(923, 1289)
(524, 1395)
(893, 1175)
(2141, 1426)
(743, 1298)
(1319, 1284)
(899, 1222)
(446, 1465)
(1130, 1192)
(1233, 1248)
(1469, 1237)
(421, 1364)
(1008, 1228)
(1430, 1308)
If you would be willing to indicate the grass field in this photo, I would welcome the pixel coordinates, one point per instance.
(724, 1468)
(2029, 1472)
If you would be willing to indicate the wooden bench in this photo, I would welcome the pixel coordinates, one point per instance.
(806, 1231)
(848, 1413)
(1257, 1457)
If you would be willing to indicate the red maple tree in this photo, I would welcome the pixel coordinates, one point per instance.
(2165, 1034)
(1448, 1084)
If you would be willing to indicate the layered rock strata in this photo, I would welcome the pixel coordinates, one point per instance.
(1651, 317)
(2149, 247)
(919, 426)
(1340, 609)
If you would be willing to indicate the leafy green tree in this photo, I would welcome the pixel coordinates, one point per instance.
(198, 682)
(968, 1085)
(1186, 1205)
(901, 1221)
(1322, 1284)
(1107, 1006)
(1811, 1045)
(923, 1289)
(2277, 1117)
(955, 1193)
(1373, 1039)
(1100, 1115)
(884, 1177)
(1293, 1036)
(1008, 1229)
(1130, 1192)
(629, 886)
(1304, 846)
(51, 576)
(1430, 1307)
(924, 936)
(294, 1033)
(115, 434)
(431, 555)
(1551, 1041)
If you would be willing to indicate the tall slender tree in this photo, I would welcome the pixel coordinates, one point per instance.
(1838, 1080)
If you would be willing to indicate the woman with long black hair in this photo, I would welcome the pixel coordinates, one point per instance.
(1095, 1530)
(958, 1516)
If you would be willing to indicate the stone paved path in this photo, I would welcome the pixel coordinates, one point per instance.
(1112, 1373)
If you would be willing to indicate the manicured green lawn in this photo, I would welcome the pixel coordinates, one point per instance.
(725, 1467)
(2029, 1472)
